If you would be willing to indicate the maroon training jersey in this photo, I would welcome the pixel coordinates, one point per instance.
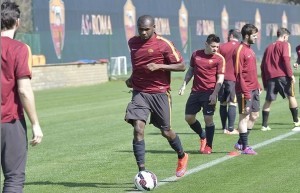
(15, 64)
(276, 61)
(156, 50)
(206, 68)
(245, 70)
(226, 50)
(298, 54)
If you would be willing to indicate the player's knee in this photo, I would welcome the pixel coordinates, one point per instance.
(190, 119)
(254, 116)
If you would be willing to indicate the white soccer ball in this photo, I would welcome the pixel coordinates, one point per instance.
(145, 180)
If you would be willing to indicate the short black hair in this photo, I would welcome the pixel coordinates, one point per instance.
(235, 33)
(282, 31)
(212, 38)
(248, 29)
(143, 18)
(10, 13)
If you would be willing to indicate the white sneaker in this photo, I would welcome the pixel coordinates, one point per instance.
(296, 129)
(297, 124)
(265, 128)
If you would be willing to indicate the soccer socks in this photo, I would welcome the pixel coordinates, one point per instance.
(176, 145)
(265, 117)
(139, 153)
(294, 112)
(223, 115)
(196, 127)
(231, 117)
(244, 139)
(210, 131)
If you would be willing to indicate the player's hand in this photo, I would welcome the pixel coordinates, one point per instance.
(293, 79)
(182, 88)
(152, 66)
(37, 135)
(128, 83)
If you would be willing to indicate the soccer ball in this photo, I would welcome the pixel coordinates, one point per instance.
(145, 180)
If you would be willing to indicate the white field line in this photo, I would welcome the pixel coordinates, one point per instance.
(220, 160)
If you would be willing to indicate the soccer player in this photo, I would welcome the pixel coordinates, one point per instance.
(152, 57)
(247, 87)
(227, 92)
(297, 63)
(16, 96)
(277, 77)
(207, 67)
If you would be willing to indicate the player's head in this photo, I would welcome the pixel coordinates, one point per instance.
(10, 15)
(249, 33)
(283, 34)
(212, 44)
(234, 34)
(146, 26)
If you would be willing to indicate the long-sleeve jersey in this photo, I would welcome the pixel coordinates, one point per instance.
(245, 70)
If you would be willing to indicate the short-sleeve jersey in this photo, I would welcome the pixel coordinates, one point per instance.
(245, 70)
(276, 61)
(156, 50)
(15, 64)
(226, 50)
(206, 68)
(298, 54)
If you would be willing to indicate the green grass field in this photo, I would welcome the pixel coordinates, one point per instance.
(87, 148)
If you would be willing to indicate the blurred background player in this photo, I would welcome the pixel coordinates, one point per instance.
(277, 77)
(16, 96)
(227, 95)
(297, 63)
(152, 57)
(247, 87)
(207, 67)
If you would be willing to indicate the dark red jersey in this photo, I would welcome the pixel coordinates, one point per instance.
(226, 50)
(206, 68)
(15, 64)
(245, 70)
(154, 50)
(276, 61)
(298, 54)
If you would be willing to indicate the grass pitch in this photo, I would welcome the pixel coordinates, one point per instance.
(87, 148)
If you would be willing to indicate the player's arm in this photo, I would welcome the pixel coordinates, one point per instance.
(168, 67)
(128, 82)
(213, 96)
(27, 99)
(188, 76)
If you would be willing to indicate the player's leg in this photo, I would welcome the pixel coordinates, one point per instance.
(231, 117)
(223, 115)
(161, 118)
(208, 112)
(14, 155)
(138, 143)
(272, 90)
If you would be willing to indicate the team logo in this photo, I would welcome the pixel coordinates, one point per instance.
(150, 51)
(224, 24)
(257, 23)
(57, 25)
(129, 19)
(183, 26)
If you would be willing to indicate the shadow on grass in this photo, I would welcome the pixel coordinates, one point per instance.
(81, 184)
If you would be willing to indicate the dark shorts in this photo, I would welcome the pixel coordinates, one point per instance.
(143, 104)
(282, 85)
(253, 104)
(227, 92)
(197, 101)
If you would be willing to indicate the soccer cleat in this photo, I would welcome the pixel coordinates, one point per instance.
(249, 151)
(296, 129)
(238, 147)
(297, 124)
(202, 144)
(265, 128)
(207, 150)
(234, 132)
(182, 165)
